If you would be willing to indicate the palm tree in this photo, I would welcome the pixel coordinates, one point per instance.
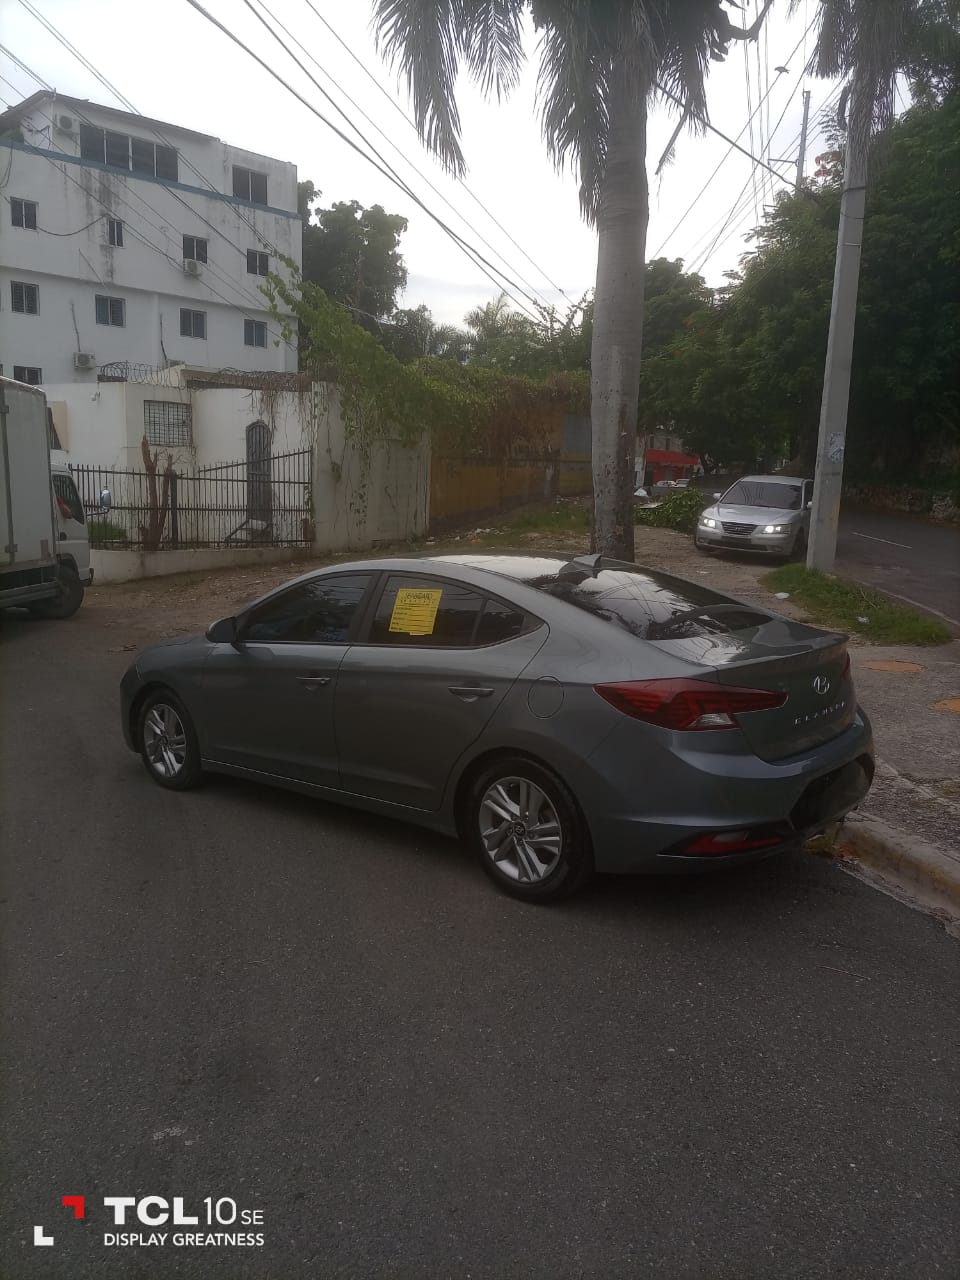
(868, 43)
(601, 63)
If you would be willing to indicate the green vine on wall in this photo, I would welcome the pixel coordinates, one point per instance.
(466, 409)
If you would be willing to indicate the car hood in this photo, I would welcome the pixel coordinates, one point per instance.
(740, 514)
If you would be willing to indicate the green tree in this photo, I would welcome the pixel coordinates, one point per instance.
(412, 335)
(601, 63)
(353, 254)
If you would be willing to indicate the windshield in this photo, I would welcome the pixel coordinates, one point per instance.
(764, 493)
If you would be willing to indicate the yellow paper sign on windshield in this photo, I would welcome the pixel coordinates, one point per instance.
(415, 610)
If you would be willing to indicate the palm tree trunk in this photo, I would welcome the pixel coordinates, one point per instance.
(618, 318)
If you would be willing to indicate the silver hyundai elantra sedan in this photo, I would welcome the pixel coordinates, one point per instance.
(561, 716)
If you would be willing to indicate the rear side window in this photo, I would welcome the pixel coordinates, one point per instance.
(498, 622)
(651, 606)
(317, 612)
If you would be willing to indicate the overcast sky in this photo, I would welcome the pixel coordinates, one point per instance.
(173, 65)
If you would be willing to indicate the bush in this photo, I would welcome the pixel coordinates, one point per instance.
(679, 510)
(106, 533)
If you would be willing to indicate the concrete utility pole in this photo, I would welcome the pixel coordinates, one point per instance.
(822, 549)
(803, 140)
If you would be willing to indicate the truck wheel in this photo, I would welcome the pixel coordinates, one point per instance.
(68, 599)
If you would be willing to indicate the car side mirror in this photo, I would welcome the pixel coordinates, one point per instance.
(716, 496)
(106, 499)
(809, 506)
(223, 632)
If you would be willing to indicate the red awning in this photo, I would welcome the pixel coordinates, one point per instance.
(671, 459)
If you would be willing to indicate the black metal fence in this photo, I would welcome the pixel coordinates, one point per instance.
(264, 502)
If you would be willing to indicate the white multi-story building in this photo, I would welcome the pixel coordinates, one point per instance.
(126, 241)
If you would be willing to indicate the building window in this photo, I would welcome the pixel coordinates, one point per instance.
(194, 248)
(115, 232)
(258, 264)
(23, 213)
(123, 152)
(111, 311)
(167, 423)
(27, 373)
(250, 185)
(193, 324)
(24, 298)
(255, 333)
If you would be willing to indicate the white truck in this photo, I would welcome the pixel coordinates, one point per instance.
(45, 563)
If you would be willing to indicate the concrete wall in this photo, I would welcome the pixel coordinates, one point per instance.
(70, 259)
(127, 566)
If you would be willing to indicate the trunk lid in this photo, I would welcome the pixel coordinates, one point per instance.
(761, 651)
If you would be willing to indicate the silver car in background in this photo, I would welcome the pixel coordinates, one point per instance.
(769, 514)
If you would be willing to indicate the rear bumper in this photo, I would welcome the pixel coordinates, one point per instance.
(643, 808)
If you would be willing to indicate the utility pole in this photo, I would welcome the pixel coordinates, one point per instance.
(822, 549)
(803, 140)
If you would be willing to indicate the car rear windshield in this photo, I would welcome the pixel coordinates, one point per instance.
(765, 493)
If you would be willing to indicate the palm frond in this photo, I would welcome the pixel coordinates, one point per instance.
(422, 39)
(490, 38)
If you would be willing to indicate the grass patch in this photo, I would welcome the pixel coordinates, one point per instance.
(850, 607)
(563, 518)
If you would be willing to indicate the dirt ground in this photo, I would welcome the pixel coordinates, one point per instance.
(137, 612)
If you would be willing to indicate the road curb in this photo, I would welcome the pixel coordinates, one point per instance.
(910, 861)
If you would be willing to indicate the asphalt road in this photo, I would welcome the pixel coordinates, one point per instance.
(336, 1021)
(908, 557)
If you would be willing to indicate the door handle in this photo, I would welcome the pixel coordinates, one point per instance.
(313, 682)
(470, 692)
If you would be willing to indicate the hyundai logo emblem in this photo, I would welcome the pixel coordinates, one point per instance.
(822, 685)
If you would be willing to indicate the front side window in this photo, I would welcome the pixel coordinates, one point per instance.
(193, 324)
(195, 248)
(68, 500)
(255, 333)
(111, 311)
(258, 264)
(319, 612)
(115, 232)
(23, 213)
(167, 423)
(24, 298)
(426, 613)
(249, 185)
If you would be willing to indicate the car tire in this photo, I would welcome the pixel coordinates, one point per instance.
(559, 858)
(168, 742)
(68, 599)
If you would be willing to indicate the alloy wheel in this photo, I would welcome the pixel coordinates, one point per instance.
(164, 740)
(520, 830)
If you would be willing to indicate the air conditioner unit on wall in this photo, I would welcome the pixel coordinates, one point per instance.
(191, 267)
(66, 124)
(84, 360)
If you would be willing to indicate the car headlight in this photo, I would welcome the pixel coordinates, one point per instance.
(775, 528)
(708, 522)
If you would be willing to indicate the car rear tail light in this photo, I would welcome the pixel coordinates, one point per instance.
(687, 704)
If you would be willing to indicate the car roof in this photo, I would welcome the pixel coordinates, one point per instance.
(776, 479)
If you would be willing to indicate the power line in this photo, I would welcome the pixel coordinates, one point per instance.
(403, 115)
(398, 150)
(473, 254)
(734, 146)
(121, 98)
